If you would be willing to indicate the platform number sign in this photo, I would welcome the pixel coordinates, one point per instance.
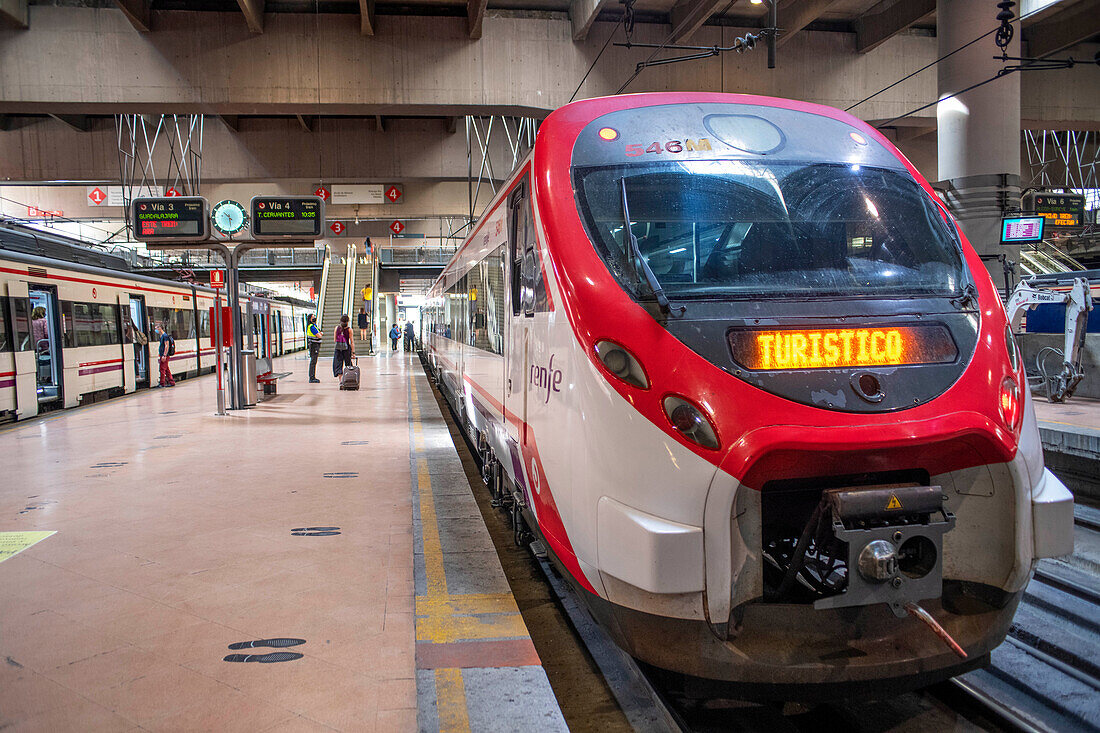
(393, 193)
(337, 227)
(397, 227)
(287, 217)
(172, 219)
(323, 192)
(1061, 210)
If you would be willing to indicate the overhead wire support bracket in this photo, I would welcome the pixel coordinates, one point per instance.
(740, 45)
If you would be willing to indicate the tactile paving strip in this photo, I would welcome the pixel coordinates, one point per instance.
(476, 664)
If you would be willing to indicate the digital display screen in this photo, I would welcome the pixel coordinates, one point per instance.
(287, 216)
(1059, 209)
(841, 348)
(1022, 229)
(173, 218)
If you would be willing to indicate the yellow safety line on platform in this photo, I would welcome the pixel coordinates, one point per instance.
(442, 617)
(450, 701)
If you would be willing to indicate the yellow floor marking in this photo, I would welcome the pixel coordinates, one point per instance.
(470, 603)
(443, 629)
(450, 701)
(12, 543)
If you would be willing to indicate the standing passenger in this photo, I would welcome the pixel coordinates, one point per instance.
(395, 333)
(167, 350)
(363, 323)
(345, 347)
(313, 339)
(410, 337)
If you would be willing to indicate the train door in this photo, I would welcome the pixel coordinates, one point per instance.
(517, 361)
(26, 381)
(46, 340)
(137, 332)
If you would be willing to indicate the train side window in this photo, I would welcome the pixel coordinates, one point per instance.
(21, 324)
(5, 342)
(517, 244)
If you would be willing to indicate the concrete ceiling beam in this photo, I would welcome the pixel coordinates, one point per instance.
(366, 17)
(13, 13)
(1066, 28)
(582, 14)
(80, 123)
(253, 14)
(888, 18)
(137, 12)
(794, 15)
(688, 16)
(475, 17)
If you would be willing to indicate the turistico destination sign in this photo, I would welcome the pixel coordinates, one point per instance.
(287, 217)
(171, 219)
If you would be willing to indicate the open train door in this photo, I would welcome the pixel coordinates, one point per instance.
(26, 358)
(129, 372)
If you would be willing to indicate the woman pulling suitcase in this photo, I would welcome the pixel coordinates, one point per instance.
(342, 367)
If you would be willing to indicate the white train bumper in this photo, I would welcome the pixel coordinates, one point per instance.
(1051, 517)
(654, 554)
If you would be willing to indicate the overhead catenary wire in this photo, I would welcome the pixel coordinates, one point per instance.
(595, 61)
(642, 66)
(930, 64)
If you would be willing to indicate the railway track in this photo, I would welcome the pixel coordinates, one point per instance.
(1047, 673)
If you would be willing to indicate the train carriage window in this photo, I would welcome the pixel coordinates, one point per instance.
(5, 342)
(21, 324)
(90, 324)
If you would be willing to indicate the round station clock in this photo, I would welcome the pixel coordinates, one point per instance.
(228, 217)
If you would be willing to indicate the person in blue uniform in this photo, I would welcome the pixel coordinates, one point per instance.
(395, 333)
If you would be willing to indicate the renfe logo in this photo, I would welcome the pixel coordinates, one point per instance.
(546, 378)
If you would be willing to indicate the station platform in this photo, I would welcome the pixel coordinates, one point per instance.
(1071, 428)
(313, 563)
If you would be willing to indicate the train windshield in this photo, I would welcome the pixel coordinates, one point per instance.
(735, 228)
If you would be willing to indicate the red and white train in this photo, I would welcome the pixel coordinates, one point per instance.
(73, 333)
(733, 362)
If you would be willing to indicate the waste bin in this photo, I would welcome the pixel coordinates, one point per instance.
(248, 376)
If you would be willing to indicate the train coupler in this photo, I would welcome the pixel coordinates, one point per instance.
(894, 540)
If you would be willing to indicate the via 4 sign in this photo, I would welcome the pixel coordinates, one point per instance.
(397, 227)
(337, 227)
(393, 193)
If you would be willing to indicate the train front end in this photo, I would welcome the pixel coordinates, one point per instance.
(813, 460)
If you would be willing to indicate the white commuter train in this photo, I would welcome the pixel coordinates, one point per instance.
(73, 333)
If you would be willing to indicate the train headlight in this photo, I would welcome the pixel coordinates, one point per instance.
(690, 421)
(622, 364)
(1012, 411)
(1013, 351)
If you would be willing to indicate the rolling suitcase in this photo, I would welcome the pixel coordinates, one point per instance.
(350, 378)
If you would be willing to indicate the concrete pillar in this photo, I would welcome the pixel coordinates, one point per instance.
(979, 131)
(391, 316)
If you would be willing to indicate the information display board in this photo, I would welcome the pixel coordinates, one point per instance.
(287, 217)
(1062, 210)
(172, 219)
(1022, 229)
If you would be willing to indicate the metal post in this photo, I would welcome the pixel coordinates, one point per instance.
(773, 21)
(218, 348)
(237, 395)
